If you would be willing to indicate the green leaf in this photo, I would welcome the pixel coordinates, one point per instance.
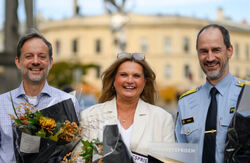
(12, 103)
(32, 121)
(18, 121)
(53, 137)
(41, 133)
(87, 149)
(31, 126)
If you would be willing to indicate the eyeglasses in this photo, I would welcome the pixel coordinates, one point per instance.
(135, 56)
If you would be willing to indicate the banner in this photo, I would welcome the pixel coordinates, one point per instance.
(178, 152)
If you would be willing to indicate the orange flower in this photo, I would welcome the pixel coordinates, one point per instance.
(25, 122)
(12, 116)
(70, 131)
(47, 123)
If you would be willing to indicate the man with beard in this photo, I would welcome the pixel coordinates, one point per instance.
(205, 113)
(34, 59)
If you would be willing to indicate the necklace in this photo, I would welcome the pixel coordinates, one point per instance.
(128, 118)
(122, 120)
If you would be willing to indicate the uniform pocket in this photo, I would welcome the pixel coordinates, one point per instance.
(222, 131)
(192, 132)
(226, 119)
(225, 122)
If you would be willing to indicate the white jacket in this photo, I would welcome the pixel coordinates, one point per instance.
(151, 124)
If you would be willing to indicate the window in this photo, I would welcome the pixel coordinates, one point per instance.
(144, 45)
(98, 71)
(186, 45)
(247, 51)
(98, 46)
(236, 51)
(75, 46)
(167, 44)
(168, 71)
(58, 47)
(187, 71)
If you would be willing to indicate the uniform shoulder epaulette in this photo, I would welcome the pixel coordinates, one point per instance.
(189, 92)
(242, 83)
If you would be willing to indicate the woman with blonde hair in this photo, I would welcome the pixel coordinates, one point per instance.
(127, 99)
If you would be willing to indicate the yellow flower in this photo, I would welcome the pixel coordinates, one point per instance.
(70, 131)
(12, 116)
(47, 123)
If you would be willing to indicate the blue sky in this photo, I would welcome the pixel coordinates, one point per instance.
(237, 10)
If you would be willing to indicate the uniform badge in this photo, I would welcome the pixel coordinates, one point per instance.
(187, 120)
(232, 110)
(188, 93)
(242, 83)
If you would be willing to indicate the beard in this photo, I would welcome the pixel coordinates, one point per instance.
(25, 73)
(214, 75)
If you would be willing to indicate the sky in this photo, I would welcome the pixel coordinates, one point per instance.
(237, 10)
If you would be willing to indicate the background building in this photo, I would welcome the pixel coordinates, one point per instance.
(167, 41)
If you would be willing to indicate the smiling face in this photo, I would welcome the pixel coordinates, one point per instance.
(34, 61)
(129, 81)
(213, 54)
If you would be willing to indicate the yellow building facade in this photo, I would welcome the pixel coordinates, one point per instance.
(168, 43)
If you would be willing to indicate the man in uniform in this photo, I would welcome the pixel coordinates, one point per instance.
(34, 59)
(203, 116)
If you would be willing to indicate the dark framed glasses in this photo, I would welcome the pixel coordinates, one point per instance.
(135, 56)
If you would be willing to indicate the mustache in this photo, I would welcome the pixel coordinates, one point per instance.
(36, 67)
(211, 62)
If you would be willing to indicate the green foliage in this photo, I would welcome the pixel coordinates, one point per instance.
(41, 133)
(12, 104)
(31, 121)
(62, 73)
(88, 147)
(18, 121)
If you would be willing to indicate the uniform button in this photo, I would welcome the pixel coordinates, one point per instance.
(188, 131)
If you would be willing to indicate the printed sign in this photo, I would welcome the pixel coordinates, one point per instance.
(29, 143)
(139, 158)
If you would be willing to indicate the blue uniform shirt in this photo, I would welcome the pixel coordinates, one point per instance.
(192, 112)
(48, 97)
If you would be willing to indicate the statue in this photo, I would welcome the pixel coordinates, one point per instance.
(115, 5)
(119, 18)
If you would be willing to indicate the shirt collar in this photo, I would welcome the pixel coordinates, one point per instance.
(45, 91)
(222, 86)
(20, 91)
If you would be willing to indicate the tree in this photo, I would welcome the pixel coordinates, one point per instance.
(61, 73)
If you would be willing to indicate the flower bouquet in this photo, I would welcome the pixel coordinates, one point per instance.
(91, 151)
(111, 150)
(41, 138)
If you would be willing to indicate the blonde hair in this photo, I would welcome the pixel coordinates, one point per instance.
(108, 77)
